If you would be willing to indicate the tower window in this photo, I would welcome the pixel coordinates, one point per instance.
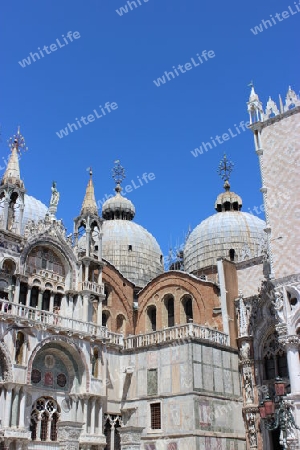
(130, 248)
(155, 416)
(231, 254)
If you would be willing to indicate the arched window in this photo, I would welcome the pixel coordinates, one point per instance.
(120, 323)
(19, 347)
(187, 308)
(169, 302)
(275, 360)
(44, 418)
(105, 316)
(46, 301)
(23, 294)
(34, 297)
(151, 312)
(9, 266)
(95, 361)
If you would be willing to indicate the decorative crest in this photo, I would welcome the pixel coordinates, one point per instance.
(251, 84)
(18, 142)
(118, 172)
(225, 168)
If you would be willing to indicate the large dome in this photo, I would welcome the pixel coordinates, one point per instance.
(33, 210)
(230, 234)
(132, 250)
(221, 233)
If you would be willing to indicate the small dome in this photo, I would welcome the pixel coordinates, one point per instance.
(231, 234)
(118, 207)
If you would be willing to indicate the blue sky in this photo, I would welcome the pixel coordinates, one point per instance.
(154, 129)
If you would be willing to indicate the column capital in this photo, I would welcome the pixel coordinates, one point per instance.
(289, 341)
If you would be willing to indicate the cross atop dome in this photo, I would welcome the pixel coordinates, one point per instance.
(224, 170)
(17, 142)
(118, 174)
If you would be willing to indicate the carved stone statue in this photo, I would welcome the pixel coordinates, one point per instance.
(252, 429)
(248, 387)
(278, 306)
(245, 350)
(55, 195)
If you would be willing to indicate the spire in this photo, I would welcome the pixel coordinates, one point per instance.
(227, 201)
(254, 106)
(12, 172)
(89, 205)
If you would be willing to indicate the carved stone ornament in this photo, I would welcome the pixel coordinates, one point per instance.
(245, 350)
(278, 306)
(250, 420)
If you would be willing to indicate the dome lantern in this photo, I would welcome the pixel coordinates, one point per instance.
(118, 207)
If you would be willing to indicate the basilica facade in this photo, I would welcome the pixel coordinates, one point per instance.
(102, 348)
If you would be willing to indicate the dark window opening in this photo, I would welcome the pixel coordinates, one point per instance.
(155, 416)
(188, 309)
(170, 308)
(152, 317)
(104, 319)
(130, 248)
(46, 301)
(231, 254)
(34, 297)
(23, 294)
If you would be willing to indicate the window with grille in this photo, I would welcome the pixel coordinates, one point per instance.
(155, 416)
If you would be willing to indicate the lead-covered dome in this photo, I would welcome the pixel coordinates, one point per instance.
(125, 244)
(34, 209)
(230, 234)
(132, 250)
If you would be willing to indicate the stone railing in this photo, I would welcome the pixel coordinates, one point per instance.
(93, 287)
(44, 319)
(179, 332)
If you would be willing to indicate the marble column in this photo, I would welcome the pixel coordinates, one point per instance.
(51, 302)
(8, 405)
(22, 408)
(28, 295)
(294, 366)
(92, 415)
(17, 291)
(99, 313)
(15, 406)
(40, 299)
(85, 312)
(85, 414)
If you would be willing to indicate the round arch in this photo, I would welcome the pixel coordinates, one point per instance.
(63, 346)
(63, 251)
